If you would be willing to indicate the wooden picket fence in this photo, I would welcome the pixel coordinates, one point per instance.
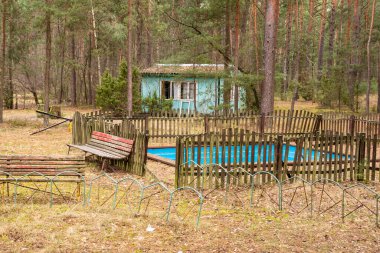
(344, 123)
(281, 121)
(341, 157)
(165, 129)
(83, 126)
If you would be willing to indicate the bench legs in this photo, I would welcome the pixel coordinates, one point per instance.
(105, 164)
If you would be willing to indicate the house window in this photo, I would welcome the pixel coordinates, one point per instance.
(188, 90)
(167, 90)
(176, 90)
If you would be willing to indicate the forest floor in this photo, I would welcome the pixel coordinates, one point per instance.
(223, 227)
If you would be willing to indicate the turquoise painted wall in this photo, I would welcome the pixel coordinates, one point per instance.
(205, 91)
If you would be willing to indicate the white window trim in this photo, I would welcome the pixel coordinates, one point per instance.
(176, 90)
(188, 90)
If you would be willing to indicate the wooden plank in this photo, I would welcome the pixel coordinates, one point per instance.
(367, 163)
(28, 180)
(229, 143)
(270, 161)
(223, 174)
(192, 179)
(108, 149)
(264, 158)
(98, 152)
(199, 141)
(43, 162)
(373, 158)
(217, 143)
(41, 158)
(112, 146)
(108, 136)
(111, 141)
(336, 153)
(211, 150)
(340, 152)
(330, 152)
(246, 152)
(346, 155)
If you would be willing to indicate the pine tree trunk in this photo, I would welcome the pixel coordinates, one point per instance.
(47, 62)
(271, 21)
(311, 43)
(367, 109)
(62, 63)
(321, 40)
(288, 37)
(2, 84)
(89, 71)
(330, 60)
(139, 36)
(354, 77)
(10, 58)
(227, 54)
(149, 47)
(95, 41)
(129, 59)
(378, 79)
(73, 72)
(236, 56)
(348, 29)
(255, 35)
(298, 45)
(311, 20)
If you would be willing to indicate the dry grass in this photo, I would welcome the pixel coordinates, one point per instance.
(224, 227)
(315, 108)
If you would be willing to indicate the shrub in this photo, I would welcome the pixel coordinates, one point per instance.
(112, 93)
(155, 104)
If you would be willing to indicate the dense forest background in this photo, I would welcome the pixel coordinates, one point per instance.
(326, 51)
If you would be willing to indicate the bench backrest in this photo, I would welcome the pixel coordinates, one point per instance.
(18, 165)
(111, 143)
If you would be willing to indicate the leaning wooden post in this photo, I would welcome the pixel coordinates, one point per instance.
(278, 157)
(318, 123)
(352, 125)
(361, 158)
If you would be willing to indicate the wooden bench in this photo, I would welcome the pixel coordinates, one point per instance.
(41, 169)
(106, 146)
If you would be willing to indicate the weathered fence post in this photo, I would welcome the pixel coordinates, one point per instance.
(146, 142)
(207, 127)
(178, 175)
(278, 157)
(76, 128)
(361, 158)
(146, 121)
(262, 123)
(352, 125)
(318, 123)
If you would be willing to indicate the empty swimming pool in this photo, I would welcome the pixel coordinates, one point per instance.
(242, 153)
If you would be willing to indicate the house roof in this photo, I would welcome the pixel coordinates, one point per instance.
(184, 69)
